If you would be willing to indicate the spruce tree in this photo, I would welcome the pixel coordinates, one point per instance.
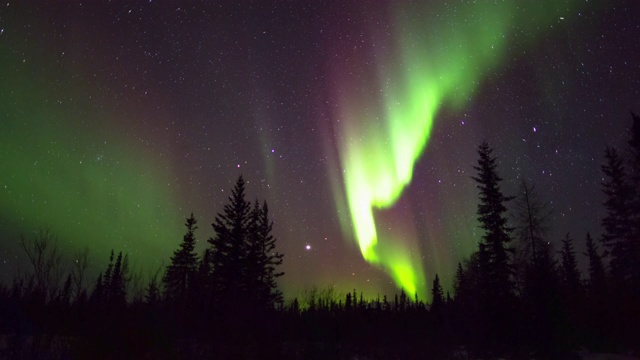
(492, 217)
(569, 265)
(437, 295)
(633, 245)
(97, 295)
(229, 248)
(597, 277)
(460, 286)
(110, 288)
(495, 270)
(117, 283)
(184, 262)
(153, 292)
(200, 289)
(618, 235)
(243, 255)
(263, 258)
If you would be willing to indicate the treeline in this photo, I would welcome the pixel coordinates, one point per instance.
(232, 284)
(515, 296)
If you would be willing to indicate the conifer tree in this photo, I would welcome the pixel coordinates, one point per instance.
(569, 266)
(243, 255)
(153, 292)
(116, 287)
(262, 258)
(184, 262)
(228, 249)
(494, 266)
(460, 285)
(633, 246)
(97, 296)
(618, 235)
(597, 277)
(110, 288)
(492, 210)
(437, 294)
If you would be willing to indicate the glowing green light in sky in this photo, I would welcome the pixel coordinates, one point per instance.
(442, 58)
(66, 166)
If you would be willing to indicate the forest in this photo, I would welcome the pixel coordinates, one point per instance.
(515, 297)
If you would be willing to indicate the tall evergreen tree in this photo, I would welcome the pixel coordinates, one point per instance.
(262, 258)
(110, 288)
(184, 262)
(495, 269)
(618, 235)
(598, 324)
(460, 286)
(569, 265)
(597, 277)
(492, 217)
(243, 254)
(153, 292)
(437, 295)
(117, 284)
(633, 245)
(229, 248)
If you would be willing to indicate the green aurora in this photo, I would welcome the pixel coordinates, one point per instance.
(66, 165)
(442, 62)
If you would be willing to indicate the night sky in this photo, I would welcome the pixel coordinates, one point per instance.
(357, 121)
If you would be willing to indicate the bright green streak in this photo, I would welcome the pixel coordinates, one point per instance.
(442, 60)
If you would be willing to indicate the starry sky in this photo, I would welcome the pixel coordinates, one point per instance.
(356, 121)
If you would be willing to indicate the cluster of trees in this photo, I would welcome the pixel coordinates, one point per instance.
(515, 295)
(235, 278)
(236, 271)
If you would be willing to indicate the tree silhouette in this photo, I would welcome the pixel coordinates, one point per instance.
(437, 295)
(262, 259)
(597, 277)
(79, 267)
(460, 286)
(184, 262)
(494, 263)
(229, 246)
(243, 255)
(45, 259)
(569, 265)
(532, 220)
(633, 245)
(492, 217)
(617, 223)
(110, 289)
(532, 223)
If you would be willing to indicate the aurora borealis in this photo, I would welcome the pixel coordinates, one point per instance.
(356, 122)
(431, 72)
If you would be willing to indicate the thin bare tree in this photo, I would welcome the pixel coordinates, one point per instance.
(79, 266)
(45, 260)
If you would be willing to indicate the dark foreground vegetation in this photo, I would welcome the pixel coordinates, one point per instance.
(515, 297)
